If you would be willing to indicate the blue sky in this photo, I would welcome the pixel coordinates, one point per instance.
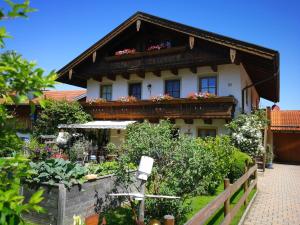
(62, 29)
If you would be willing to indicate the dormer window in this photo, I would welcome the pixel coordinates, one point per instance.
(172, 88)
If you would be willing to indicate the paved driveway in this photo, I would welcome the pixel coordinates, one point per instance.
(278, 199)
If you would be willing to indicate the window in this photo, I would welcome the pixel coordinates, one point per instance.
(135, 90)
(106, 92)
(207, 132)
(208, 85)
(172, 88)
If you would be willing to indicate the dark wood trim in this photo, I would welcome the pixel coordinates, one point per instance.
(157, 73)
(193, 69)
(188, 121)
(126, 75)
(214, 68)
(141, 74)
(174, 71)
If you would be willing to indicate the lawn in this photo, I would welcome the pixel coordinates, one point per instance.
(200, 202)
(122, 216)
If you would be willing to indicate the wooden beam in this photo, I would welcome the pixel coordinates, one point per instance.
(214, 68)
(189, 121)
(125, 75)
(207, 121)
(157, 73)
(193, 69)
(97, 78)
(174, 71)
(141, 74)
(111, 77)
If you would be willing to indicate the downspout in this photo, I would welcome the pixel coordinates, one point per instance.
(253, 85)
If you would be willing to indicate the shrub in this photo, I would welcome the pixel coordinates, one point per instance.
(78, 150)
(183, 166)
(245, 132)
(59, 112)
(238, 166)
(54, 171)
(10, 143)
(107, 168)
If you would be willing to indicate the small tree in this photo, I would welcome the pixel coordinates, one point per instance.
(246, 132)
(59, 112)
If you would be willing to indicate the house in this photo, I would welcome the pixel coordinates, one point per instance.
(22, 112)
(147, 57)
(284, 134)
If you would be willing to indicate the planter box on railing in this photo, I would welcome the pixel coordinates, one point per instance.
(61, 204)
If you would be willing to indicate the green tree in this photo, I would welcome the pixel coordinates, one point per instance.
(18, 79)
(59, 112)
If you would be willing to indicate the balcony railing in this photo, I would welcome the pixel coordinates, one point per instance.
(208, 108)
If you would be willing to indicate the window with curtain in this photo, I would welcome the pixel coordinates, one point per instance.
(106, 92)
(208, 85)
(172, 88)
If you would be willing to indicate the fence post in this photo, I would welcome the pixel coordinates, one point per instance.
(255, 178)
(169, 220)
(246, 183)
(227, 201)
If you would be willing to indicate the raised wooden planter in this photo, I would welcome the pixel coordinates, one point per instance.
(61, 204)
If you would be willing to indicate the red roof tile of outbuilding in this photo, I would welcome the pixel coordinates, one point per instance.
(69, 95)
(285, 120)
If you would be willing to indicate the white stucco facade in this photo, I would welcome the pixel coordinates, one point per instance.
(231, 79)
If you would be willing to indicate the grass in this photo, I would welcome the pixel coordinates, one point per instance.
(122, 216)
(200, 202)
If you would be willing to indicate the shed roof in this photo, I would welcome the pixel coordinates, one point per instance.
(285, 120)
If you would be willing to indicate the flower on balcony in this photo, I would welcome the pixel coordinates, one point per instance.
(126, 51)
(195, 95)
(162, 45)
(159, 98)
(96, 100)
(127, 99)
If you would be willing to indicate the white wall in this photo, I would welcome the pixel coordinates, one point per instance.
(184, 128)
(253, 96)
(231, 79)
(93, 89)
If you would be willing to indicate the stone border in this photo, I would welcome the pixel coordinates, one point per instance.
(247, 209)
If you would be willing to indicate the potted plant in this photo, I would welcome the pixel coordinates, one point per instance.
(112, 151)
(269, 157)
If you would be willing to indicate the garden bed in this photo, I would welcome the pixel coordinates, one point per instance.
(61, 204)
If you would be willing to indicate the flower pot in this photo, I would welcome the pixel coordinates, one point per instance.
(269, 165)
(92, 220)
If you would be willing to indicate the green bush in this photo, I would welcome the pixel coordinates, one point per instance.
(107, 168)
(59, 112)
(183, 166)
(246, 132)
(78, 150)
(54, 171)
(10, 143)
(238, 166)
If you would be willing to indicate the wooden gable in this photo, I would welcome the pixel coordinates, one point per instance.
(190, 47)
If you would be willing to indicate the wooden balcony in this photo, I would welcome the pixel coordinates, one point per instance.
(208, 108)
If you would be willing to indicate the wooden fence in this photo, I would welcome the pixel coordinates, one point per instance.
(224, 199)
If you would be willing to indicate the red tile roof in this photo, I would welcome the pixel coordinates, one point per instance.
(285, 120)
(61, 95)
